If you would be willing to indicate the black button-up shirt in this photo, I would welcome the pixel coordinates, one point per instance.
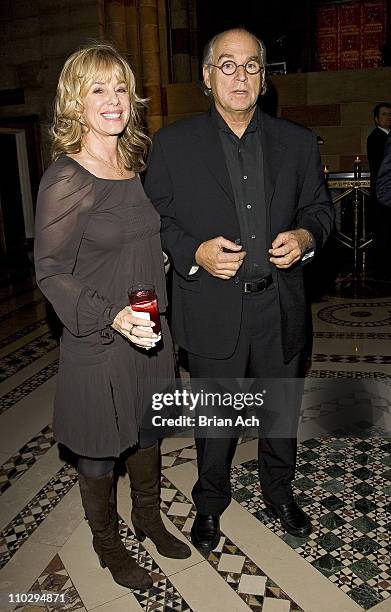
(244, 161)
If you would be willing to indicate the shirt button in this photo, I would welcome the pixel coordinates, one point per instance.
(248, 206)
(237, 280)
(245, 177)
(252, 236)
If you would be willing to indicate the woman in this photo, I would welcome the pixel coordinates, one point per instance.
(96, 234)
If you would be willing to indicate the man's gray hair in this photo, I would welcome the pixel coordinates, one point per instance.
(209, 48)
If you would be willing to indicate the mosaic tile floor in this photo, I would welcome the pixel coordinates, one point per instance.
(29, 385)
(19, 359)
(55, 581)
(26, 522)
(234, 566)
(345, 486)
(19, 463)
(343, 483)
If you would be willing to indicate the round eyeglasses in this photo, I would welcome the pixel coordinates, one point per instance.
(230, 67)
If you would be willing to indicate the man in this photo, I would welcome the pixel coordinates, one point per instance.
(377, 139)
(376, 143)
(242, 201)
(383, 181)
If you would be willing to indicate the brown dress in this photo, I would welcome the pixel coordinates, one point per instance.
(94, 238)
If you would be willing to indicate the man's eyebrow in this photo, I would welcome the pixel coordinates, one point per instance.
(224, 55)
(229, 56)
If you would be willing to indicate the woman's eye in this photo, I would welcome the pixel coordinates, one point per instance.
(121, 90)
(97, 90)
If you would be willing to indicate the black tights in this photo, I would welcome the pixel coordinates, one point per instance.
(96, 468)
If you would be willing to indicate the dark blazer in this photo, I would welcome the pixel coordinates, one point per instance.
(188, 182)
(376, 142)
(383, 181)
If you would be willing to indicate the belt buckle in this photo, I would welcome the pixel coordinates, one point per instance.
(255, 286)
(247, 286)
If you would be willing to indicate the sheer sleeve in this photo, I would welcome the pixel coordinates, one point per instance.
(65, 201)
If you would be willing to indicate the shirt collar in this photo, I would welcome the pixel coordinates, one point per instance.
(224, 127)
(383, 129)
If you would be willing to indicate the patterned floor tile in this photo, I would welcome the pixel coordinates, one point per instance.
(343, 485)
(28, 329)
(163, 596)
(357, 314)
(56, 587)
(29, 385)
(27, 354)
(55, 579)
(352, 335)
(177, 457)
(189, 453)
(346, 374)
(334, 358)
(18, 464)
(345, 410)
(233, 565)
(32, 515)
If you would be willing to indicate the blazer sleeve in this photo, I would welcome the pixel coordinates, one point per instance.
(65, 201)
(315, 211)
(376, 142)
(180, 245)
(383, 181)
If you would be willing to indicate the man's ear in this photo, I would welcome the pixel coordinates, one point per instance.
(206, 75)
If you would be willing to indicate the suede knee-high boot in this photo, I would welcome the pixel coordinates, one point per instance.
(143, 467)
(97, 499)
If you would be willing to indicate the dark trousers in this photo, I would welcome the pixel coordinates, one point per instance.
(258, 354)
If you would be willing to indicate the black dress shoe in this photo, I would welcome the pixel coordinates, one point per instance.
(292, 518)
(205, 533)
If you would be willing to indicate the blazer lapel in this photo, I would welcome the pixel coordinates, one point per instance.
(213, 154)
(273, 151)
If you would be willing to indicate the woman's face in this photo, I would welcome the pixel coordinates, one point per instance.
(107, 107)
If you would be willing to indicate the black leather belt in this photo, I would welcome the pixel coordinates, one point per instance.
(257, 286)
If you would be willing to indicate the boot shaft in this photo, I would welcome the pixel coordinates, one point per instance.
(97, 496)
(143, 467)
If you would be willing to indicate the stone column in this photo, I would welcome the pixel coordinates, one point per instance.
(193, 27)
(180, 41)
(133, 42)
(150, 54)
(121, 28)
(115, 24)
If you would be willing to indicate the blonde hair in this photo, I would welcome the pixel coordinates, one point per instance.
(80, 71)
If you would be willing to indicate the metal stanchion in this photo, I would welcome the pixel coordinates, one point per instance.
(351, 193)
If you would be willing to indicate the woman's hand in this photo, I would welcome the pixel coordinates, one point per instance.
(136, 330)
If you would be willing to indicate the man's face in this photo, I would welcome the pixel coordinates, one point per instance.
(238, 92)
(384, 118)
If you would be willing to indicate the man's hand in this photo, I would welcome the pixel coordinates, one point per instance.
(289, 247)
(210, 255)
